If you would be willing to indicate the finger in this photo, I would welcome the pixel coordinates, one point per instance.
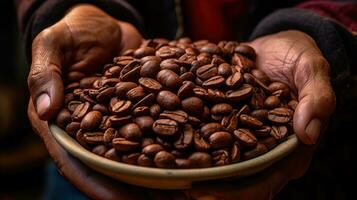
(131, 38)
(316, 100)
(86, 180)
(44, 80)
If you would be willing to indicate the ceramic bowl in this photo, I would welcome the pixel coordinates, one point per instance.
(170, 178)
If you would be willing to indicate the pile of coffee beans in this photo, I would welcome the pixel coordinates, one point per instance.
(178, 104)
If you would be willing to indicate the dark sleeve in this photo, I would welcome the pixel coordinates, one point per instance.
(36, 15)
(337, 44)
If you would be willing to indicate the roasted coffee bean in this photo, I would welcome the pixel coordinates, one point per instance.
(168, 78)
(112, 72)
(200, 143)
(100, 150)
(150, 68)
(243, 62)
(208, 129)
(217, 60)
(192, 105)
(169, 52)
(72, 128)
(130, 131)
(258, 99)
(140, 111)
(122, 88)
(109, 135)
(280, 115)
(271, 102)
(200, 92)
(262, 131)
(187, 76)
(245, 137)
(280, 133)
(144, 160)
(170, 64)
(221, 109)
(131, 158)
(80, 111)
(124, 145)
(150, 58)
(235, 80)
(235, 152)
(206, 71)
(250, 121)
(221, 157)
(246, 50)
(63, 118)
(261, 114)
(144, 122)
(168, 100)
(121, 107)
(93, 137)
(135, 94)
(220, 139)
(216, 95)
(258, 150)
(260, 75)
(146, 142)
(122, 60)
(211, 48)
(214, 82)
(87, 82)
(194, 120)
(143, 51)
(164, 159)
(280, 89)
(109, 82)
(200, 159)
(101, 108)
(145, 101)
(240, 94)
(105, 123)
(269, 142)
(179, 116)
(183, 163)
(105, 94)
(91, 120)
(131, 72)
(224, 70)
(117, 121)
(185, 138)
(186, 89)
(155, 110)
(152, 149)
(150, 85)
(230, 122)
(204, 58)
(112, 154)
(165, 127)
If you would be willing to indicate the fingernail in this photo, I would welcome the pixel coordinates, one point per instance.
(313, 130)
(42, 103)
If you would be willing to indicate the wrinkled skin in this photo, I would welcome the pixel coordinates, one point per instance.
(86, 38)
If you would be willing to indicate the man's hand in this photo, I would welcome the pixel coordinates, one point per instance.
(291, 57)
(83, 40)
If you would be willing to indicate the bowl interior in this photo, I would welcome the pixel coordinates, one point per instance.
(170, 178)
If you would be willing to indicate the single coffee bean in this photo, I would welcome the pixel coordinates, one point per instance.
(150, 68)
(168, 78)
(130, 131)
(100, 150)
(146, 59)
(143, 51)
(215, 95)
(117, 121)
(193, 120)
(130, 158)
(206, 71)
(135, 94)
(140, 111)
(170, 64)
(183, 163)
(169, 52)
(72, 128)
(261, 114)
(269, 142)
(112, 72)
(208, 129)
(63, 118)
(131, 72)
(121, 107)
(185, 138)
(144, 160)
(164, 159)
(200, 159)
(91, 120)
(213, 82)
(245, 137)
(155, 110)
(224, 70)
(271, 102)
(101, 108)
(179, 116)
(93, 137)
(187, 76)
(242, 62)
(124, 145)
(235, 152)
(168, 100)
(146, 142)
(200, 143)
(145, 101)
(150, 85)
(250, 121)
(221, 109)
(122, 88)
(109, 82)
(258, 150)
(186, 89)
(221, 157)
(220, 139)
(235, 80)
(240, 94)
(109, 135)
(211, 48)
(144, 122)
(192, 105)
(230, 122)
(152, 149)
(280, 133)
(80, 111)
(200, 92)
(260, 75)
(112, 154)
(165, 127)
(262, 131)
(280, 115)
(246, 51)
(280, 89)
(258, 98)
(122, 60)
(217, 60)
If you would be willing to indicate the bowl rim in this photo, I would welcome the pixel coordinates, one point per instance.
(76, 150)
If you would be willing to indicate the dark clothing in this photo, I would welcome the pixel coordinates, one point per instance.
(329, 23)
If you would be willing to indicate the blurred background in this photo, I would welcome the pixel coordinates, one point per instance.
(22, 154)
(23, 157)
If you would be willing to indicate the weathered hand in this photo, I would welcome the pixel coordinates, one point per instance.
(83, 40)
(291, 57)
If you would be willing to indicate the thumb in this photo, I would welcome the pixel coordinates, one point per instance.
(44, 80)
(316, 100)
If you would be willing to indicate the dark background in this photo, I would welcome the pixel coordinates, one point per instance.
(23, 156)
